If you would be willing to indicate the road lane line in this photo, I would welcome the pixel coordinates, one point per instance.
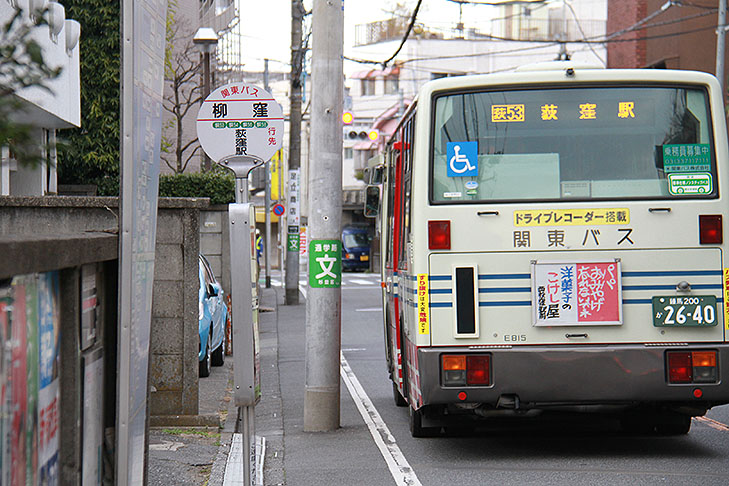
(399, 467)
(713, 423)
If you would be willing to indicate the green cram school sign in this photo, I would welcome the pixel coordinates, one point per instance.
(325, 263)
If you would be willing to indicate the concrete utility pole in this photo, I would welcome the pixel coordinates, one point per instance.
(267, 203)
(291, 282)
(323, 306)
(720, 46)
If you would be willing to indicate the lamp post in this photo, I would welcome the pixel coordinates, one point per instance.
(205, 39)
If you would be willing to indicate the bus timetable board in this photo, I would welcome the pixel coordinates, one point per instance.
(240, 119)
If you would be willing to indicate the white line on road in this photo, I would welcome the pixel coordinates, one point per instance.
(712, 423)
(370, 309)
(399, 467)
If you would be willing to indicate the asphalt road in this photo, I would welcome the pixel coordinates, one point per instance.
(570, 449)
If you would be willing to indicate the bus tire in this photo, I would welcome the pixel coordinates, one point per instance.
(416, 425)
(677, 424)
(399, 399)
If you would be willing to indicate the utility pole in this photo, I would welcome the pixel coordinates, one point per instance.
(291, 281)
(720, 47)
(267, 200)
(323, 303)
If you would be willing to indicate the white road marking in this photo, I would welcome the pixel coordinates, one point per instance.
(166, 445)
(370, 309)
(399, 467)
(712, 423)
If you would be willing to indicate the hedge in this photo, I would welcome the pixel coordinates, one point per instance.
(217, 185)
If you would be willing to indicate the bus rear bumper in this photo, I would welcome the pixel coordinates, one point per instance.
(544, 377)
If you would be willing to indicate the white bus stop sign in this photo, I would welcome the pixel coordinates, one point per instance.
(240, 119)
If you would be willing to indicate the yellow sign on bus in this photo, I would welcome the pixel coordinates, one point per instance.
(507, 113)
(423, 304)
(571, 217)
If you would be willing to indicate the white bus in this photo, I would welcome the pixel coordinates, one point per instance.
(551, 240)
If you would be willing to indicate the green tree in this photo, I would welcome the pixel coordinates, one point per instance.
(91, 153)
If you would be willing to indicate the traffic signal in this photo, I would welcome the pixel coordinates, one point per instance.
(347, 118)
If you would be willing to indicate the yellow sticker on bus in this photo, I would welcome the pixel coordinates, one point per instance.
(423, 304)
(507, 113)
(726, 299)
(571, 217)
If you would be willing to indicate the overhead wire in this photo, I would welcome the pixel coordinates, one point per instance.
(610, 38)
(407, 33)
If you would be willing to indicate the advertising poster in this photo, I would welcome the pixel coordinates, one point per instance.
(31, 335)
(5, 306)
(93, 424)
(574, 294)
(18, 386)
(48, 396)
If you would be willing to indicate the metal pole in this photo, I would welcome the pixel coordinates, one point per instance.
(297, 60)
(206, 91)
(267, 203)
(720, 46)
(323, 306)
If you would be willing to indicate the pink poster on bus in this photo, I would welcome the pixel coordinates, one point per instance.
(573, 294)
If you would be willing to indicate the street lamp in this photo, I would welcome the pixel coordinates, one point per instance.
(205, 39)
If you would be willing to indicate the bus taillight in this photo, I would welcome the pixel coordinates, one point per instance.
(692, 367)
(462, 370)
(478, 370)
(439, 235)
(710, 229)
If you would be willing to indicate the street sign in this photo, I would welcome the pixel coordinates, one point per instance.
(278, 209)
(240, 119)
(325, 263)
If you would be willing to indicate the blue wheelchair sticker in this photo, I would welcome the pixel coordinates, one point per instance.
(462, 159)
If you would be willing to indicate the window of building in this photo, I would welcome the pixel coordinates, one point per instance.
(368, 87)
(392, 84)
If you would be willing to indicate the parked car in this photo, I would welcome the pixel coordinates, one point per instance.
(355, 248)
(212, 316)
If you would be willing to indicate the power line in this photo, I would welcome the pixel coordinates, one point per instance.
(407, 33)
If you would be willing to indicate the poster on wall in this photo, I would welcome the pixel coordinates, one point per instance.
(6, 302)
(48, 393)
(93, 423)
(18, 385)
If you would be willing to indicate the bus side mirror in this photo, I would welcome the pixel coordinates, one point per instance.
(372, 201)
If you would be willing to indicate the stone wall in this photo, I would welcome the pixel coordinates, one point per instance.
(174, 340)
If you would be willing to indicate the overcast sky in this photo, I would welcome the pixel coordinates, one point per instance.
(266, 26)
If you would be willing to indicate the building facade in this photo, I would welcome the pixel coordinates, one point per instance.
(48, 110)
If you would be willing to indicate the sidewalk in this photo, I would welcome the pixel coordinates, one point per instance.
(293, 457)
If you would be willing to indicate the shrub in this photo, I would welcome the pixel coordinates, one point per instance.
(218, 185)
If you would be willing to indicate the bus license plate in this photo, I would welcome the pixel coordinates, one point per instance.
(684, 311)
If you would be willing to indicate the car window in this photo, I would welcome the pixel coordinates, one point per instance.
(207, 271)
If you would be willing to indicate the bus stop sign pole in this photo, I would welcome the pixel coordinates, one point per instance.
(241, 221)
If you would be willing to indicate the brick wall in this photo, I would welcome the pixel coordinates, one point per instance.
(623, 14)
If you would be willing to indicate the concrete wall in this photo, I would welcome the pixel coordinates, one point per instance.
(174, 340)
(26, 252)
(175, 343)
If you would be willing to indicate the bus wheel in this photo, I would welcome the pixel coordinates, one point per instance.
(676, 424)
(416, 425)
(399, 400)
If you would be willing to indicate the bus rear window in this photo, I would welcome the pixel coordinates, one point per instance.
(590, 143)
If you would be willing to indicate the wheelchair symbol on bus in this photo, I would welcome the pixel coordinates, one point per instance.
(462, 159)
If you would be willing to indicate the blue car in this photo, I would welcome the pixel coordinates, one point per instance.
(212, 315)
(355, 248)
